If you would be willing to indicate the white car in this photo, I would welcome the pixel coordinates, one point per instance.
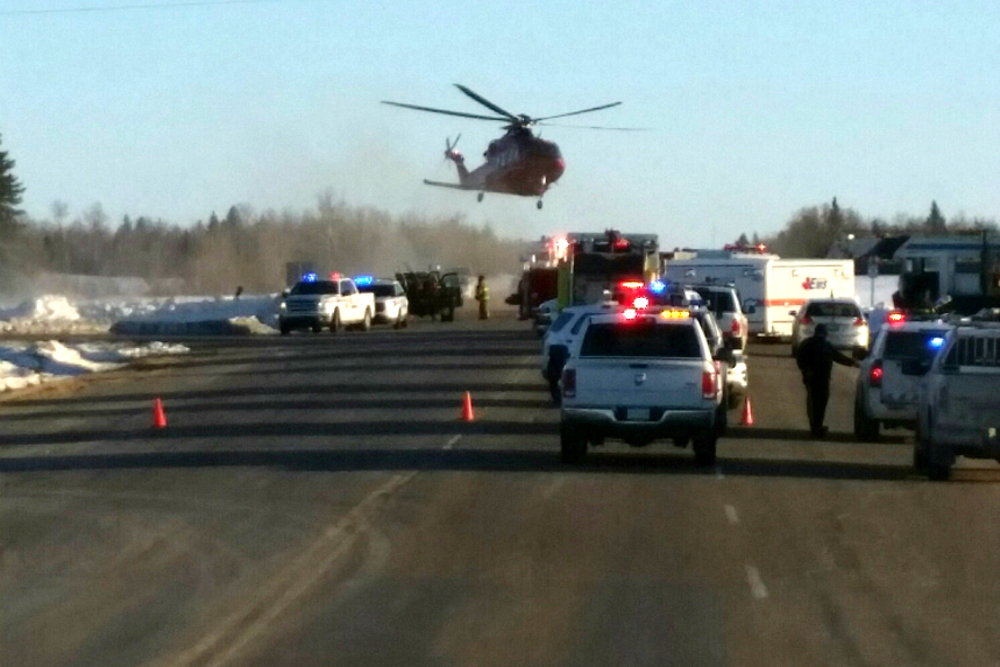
(959, 408)
(846, 327)
(391, 305)
(544, 316)
(559, 339)
(641, 377)
(884, 396)
(725, 305)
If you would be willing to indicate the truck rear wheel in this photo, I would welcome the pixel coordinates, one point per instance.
(704, 451)
(572, 445)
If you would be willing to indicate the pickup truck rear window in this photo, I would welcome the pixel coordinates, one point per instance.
(313, 288)
(910, 345)
(640, 339)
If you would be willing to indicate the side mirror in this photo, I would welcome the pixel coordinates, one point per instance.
(915, 367)
(793, 313)
(285, 292)
(751, 310)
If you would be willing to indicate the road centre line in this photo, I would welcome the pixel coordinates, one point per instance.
(731, 514)
(757, 587)
(451, 443)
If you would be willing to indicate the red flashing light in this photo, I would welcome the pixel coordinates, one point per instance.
(629, 314)
(640, 303)
(896, 317)
(335, 275)
(632, 284)
(621, 244)
(875, 374)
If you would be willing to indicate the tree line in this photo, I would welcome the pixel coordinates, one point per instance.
(814, 230)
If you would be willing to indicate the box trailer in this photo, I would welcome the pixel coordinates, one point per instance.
(769, 287)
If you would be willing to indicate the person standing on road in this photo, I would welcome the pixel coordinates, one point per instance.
(815, 359)
(483, 297)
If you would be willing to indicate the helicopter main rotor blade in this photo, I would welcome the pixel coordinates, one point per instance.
(486, 103)
(597, 127)
(577, 113)
(460, 114)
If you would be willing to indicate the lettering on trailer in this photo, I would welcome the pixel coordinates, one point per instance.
(814, 283)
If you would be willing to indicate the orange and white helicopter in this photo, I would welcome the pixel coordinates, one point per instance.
(518, 163)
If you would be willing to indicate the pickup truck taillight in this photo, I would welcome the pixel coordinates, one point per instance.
(875, 374)
(708, 384)
(735, 328)
(569, 382)
(859, 321)
(806, 320)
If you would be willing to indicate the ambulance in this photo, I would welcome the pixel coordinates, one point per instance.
(771, 289)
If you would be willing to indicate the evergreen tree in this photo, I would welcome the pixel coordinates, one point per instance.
(213, 222)
(936, 223)
(233, 219)
(10, 196)
(743, 240)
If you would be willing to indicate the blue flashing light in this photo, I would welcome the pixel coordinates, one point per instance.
(937, 342)
(657, 286)
(364, 280)
(310, 277)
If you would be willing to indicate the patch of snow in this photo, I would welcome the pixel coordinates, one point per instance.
(26, 364)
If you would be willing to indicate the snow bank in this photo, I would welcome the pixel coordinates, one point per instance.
(57, 314)
(26, 364)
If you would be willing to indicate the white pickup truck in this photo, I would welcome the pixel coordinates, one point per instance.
(335, 303)
(959, 409)
(638, 378)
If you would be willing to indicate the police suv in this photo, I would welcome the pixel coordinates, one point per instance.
(391, 305)
(335, 303)
(959, 408)
(884, 395)
(641, 377)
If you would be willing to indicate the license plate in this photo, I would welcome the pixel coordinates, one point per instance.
(833, 328)
(637, 414)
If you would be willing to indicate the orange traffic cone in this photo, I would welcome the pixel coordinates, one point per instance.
(747, 419)
(159, 416)
(467, 414)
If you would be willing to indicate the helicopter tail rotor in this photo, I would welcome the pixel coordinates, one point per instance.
(449, 149)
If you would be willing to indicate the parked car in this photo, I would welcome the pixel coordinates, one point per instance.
(846, 327)
(884, 396)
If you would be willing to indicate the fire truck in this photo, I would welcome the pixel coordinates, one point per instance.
(595, 264)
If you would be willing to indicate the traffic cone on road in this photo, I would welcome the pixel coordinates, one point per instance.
(747, 418)
(159, 416)
(467, 414)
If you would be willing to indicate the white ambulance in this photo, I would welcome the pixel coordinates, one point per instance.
(771, 289)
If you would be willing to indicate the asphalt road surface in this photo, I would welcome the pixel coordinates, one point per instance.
(316, 501)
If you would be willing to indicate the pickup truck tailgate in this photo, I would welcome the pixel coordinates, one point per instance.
(674, 383)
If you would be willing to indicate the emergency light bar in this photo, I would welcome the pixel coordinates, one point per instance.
(896, 317)
(675, 314)
(632, 284)
(310, 277)
(364, 280)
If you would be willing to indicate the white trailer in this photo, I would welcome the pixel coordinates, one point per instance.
(769, 287)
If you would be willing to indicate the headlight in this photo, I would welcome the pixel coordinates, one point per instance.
(282, 306)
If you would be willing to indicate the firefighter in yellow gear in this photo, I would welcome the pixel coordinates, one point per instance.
(483, 297)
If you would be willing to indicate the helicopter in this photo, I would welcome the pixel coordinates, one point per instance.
(518, 163)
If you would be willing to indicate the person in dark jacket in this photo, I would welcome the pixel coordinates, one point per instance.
(815, 359)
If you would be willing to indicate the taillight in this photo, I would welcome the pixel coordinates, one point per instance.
(708, 384)
(859, 321)
(806, 320)
(735, 327)
(875, 374)
(569, 382)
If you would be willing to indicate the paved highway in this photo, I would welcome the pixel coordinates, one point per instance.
(315, 501)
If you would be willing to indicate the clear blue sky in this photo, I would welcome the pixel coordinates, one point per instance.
(757, 109)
